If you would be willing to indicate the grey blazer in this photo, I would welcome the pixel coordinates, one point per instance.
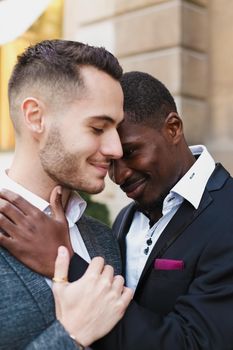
(27, 313)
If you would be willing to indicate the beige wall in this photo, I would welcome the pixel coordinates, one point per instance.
(186, 44)
(220, 136)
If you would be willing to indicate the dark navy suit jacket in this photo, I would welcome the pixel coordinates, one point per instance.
(189, 308)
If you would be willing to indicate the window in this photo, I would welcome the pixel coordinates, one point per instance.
(48, 26)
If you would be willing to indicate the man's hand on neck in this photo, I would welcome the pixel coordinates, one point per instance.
(30, 235)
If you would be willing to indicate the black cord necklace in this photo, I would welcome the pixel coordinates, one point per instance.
(149, 240)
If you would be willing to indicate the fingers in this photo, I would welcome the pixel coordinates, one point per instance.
(7, 226)
(95, 267)
(61, 264)
(10, 210)
(17, 201)
(56, 203)
(118, 284)
(127, 296)
(5, 241)
(108, 273)
(60, 277)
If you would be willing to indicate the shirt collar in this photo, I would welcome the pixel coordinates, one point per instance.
(192, 185)
(75, 206)
(9, 184)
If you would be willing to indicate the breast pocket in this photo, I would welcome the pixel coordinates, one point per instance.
(170, 274)
(160, 290)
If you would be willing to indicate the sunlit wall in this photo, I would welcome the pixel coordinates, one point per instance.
(48, 26)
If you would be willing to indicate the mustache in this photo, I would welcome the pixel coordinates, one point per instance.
(132, 182)
(100, 161)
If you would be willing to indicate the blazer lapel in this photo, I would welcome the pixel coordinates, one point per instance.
(122, 231)
(36, 286)
(97, 242)
(90, 238)
(180, 221)
(85, 232)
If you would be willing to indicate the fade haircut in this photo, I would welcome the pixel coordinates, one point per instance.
(52, 67)
(146, 99)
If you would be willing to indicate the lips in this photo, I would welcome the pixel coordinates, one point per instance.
(101, 167)
(133, 189)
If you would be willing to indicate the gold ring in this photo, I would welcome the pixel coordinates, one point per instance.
(60, 279)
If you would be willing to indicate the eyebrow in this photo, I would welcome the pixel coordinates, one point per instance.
(104, 118)
(128, 144)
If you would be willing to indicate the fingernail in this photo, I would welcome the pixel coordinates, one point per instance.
(62, 251)
(59, 191)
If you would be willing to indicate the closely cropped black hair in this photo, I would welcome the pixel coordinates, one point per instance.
(146, 99)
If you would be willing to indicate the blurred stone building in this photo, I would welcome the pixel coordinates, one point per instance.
(186, 44)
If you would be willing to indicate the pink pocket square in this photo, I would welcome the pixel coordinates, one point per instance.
(168, 264)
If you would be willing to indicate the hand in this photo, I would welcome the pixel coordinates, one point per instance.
(90, 307)
(29, 234)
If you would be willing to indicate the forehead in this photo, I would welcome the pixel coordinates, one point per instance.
(98, 80)
(131, 132)
(100, 95)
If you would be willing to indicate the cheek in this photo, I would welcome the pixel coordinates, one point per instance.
(140, 163)
(148, 165)
(81, 144)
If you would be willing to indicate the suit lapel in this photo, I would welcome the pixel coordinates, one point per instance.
(180, 221)
(36, 286)
(174, 228)
(85, 232)
(92, 240)
(183, 218)
(125, 222)
(98, 243)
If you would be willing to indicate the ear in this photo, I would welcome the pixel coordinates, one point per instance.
(33, 112)
(174, 128)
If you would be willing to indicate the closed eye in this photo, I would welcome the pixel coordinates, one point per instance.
(97, 131)
(127, 153)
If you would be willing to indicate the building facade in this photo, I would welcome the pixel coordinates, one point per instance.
(186, 44)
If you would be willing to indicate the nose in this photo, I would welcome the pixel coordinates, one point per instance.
(111, 146)
(118, 171)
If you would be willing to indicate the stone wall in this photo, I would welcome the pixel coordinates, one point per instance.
(220, 82)
(185, 44)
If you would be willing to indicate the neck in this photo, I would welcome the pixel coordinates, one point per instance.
(26, 170)
(154, 212)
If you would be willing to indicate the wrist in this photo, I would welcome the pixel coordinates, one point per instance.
(80, 340)
(81, 347)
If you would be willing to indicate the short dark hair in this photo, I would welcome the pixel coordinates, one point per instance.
(146, 99)
(55, 65)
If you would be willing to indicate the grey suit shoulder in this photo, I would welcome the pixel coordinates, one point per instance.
(27, 312)
(100, 241)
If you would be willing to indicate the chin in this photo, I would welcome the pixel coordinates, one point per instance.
(94, 190)
(145, 205)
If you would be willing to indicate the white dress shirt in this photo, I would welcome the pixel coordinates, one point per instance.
(190, 187)
(74, 210)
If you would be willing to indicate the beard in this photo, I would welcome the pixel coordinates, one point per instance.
(64, 167)
(153, 205)
(153, 209)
